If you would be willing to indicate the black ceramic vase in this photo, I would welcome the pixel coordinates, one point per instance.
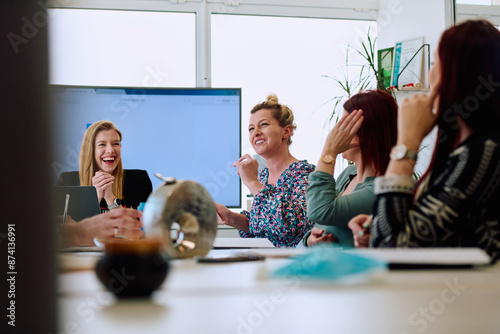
(132, 269)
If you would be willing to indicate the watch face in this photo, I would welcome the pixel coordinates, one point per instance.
(398, 152)
(327, 158)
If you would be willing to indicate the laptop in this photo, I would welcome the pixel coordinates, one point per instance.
(82, 203)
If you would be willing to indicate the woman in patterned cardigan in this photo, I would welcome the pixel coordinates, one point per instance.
(278, 210)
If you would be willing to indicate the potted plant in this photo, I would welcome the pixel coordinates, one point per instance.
(355, 77)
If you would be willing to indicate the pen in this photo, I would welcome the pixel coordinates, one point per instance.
(66, 202)
(366, 228)
(167, 180)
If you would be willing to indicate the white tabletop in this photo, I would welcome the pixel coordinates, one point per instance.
(241, 298)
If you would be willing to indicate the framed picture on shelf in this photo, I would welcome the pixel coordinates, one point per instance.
(408, 64)
(385, 58)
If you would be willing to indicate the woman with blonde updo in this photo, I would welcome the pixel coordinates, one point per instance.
(279, 207)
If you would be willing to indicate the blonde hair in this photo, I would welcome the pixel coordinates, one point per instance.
(282, 113)
(87, 162)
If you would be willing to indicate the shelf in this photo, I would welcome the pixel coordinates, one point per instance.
(411, 89)
(419, 86)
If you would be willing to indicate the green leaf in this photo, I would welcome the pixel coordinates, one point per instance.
(368, 75)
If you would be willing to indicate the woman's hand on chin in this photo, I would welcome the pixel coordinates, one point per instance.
(103, 183)
(416, 118)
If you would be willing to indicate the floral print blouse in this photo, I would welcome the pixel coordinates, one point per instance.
(278, 211)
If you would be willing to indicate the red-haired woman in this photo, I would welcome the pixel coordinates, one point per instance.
(456, 203)
(364, 135)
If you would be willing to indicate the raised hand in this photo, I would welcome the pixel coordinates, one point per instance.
(248, 170)
(416, 118)
(340, 137)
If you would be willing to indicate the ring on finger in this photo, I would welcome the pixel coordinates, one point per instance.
(119, 235)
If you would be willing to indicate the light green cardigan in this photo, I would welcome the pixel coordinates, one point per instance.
(332, 212)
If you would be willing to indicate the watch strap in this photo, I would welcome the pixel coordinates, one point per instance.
(399, 152)
(411, 154)
(116, 203)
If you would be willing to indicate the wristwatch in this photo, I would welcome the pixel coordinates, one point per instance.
(327, 159)
(399, 152)
(116, 203)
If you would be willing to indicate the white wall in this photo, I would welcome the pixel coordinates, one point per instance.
(400, 20)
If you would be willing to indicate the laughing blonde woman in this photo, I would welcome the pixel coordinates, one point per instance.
(101, 166)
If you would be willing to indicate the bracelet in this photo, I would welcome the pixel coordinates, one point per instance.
(98, 243)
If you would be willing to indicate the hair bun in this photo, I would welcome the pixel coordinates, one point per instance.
(272, 98)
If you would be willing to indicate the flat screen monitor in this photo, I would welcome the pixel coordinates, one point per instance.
(186, 133)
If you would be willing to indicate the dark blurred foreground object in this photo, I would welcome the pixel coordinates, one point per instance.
(132, 268)
(27, 227)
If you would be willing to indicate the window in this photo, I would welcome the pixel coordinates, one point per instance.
(476, 2)
(122, 48)
(288, 57)
(478, 9)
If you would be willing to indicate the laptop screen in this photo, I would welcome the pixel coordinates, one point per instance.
(82, 202)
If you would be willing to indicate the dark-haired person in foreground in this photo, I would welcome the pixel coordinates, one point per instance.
(456, 204)
(364, 135)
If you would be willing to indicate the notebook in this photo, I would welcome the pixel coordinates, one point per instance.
(428, 258)
(221, 243)
(82, 204)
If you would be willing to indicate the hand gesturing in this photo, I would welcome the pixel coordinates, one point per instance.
(248, 170)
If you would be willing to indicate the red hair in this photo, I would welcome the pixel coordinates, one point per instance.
(469, 54)
(378, 132)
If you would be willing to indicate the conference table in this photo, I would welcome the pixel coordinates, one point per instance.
(245, 297)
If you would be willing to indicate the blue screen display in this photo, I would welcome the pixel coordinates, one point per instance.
(186, 133)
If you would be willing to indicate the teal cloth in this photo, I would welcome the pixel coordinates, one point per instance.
(328, 263)
(330, 211)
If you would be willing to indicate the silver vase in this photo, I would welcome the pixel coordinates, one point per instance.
(183, 215)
